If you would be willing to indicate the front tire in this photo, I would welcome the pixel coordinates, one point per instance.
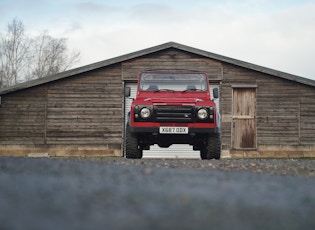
(133, 150)
(212, 148)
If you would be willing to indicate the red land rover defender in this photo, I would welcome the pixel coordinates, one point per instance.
(173, 107)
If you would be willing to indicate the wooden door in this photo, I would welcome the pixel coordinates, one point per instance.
(244, 118)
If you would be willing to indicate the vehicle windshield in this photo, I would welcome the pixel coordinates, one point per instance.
(173, 82)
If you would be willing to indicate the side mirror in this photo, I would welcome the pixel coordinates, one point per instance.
(127, 91)
(215, 93)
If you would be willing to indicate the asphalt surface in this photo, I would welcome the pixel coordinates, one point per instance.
(44, 193)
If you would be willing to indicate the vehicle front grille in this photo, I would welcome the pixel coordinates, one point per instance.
(173, 113)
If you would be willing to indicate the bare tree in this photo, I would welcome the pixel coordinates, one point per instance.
(50, 56)
(23, 58)
(14, 47)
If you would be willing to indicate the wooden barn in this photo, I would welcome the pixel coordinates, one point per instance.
(81, 112)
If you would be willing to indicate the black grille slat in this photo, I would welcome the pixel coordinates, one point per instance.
(173, 113)
(173, 120)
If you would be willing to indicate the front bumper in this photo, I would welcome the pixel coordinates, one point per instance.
(155, 130)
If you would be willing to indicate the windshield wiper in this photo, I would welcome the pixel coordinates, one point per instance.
(159, 90)
(188, 90)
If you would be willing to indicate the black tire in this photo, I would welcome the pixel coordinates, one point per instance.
(212, 148)
(133, 150)
(203, 153)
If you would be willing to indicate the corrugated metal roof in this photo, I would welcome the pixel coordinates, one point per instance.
(151, 50)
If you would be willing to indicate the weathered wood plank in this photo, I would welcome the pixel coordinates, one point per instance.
(171, 60)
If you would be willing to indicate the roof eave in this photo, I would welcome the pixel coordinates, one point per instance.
(154, 49)
(247, 65)
(82, 69)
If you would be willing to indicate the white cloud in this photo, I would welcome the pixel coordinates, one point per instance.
(282, 40)
(275, 34)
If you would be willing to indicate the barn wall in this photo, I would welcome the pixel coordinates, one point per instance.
(307, 115)
(81, 115)
(22, 117)
(285, 114)
(86, 109)
(278, 112)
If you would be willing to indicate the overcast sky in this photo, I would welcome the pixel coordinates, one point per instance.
(278, 34)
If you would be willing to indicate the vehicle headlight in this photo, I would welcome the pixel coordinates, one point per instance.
(145, 113)
(202, 114)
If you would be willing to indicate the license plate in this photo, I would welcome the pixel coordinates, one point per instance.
(174, 130)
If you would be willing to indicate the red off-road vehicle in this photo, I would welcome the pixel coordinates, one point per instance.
(173, 107)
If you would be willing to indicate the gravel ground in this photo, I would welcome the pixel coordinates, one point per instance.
(117, 193)
(299, 167)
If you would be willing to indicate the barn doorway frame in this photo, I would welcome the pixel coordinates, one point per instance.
(175, 151)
